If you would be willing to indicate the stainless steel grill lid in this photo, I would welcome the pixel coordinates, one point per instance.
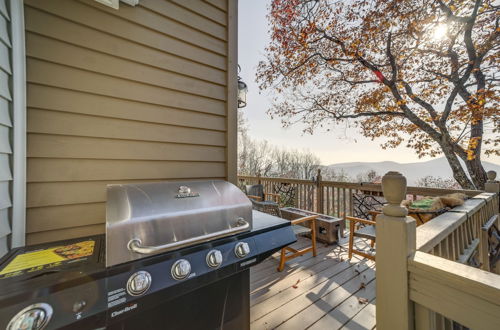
(151, 218)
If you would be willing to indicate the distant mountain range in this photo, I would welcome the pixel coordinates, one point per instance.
(412, 171)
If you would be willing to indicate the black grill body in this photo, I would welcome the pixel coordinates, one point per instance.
(84, 294)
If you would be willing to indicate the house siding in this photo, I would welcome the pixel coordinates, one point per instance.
(116, 96)
(5, 127)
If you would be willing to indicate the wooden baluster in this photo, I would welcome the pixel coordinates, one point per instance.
(451, 248)
(306, 197)
(464, 238)
(457, 245)
(310, 198)
(473, 228)
(466, 234)
(327, 200)
(338, 202)
(469, 227)
(484, 250)
(334, 197)
(446, 250)
(303, 195)
(460, 244)
(465, 244)
(299, 196)
(425, 319)
(448, 324)
(351, 204)
(477, 227)
(485, 216)
(344, 202)
(439, 322)
(332, 201)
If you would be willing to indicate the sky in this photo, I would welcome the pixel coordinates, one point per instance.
(342, 144)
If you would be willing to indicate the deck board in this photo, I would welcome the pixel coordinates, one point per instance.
(319, 292)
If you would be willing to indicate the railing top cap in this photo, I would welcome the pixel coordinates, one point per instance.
(470, 206)
(491, 175)
(484, 195)
(394, 188)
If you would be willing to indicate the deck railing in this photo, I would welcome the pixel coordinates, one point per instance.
(427, 277)
(424, 277)
(332, 197)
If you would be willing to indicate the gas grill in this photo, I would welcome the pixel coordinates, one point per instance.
(175, 256)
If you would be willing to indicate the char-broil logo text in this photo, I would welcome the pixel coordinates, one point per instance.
(124, 310)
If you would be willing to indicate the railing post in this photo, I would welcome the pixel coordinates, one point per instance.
(396, 240)
(259, 181)
(492, 186)
(319, 193)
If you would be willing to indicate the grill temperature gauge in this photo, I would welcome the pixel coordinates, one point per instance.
(242, 249)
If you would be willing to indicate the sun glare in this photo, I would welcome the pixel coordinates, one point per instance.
(439, 32)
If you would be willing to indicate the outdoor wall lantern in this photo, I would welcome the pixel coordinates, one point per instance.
(242, 91)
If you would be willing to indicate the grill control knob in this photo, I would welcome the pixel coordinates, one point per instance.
(33, 317)
(242, 249)
(214, 258)
(138, 283)
(181, 269)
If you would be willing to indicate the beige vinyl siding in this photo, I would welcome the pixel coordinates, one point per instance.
(129, 95)
(5, 127)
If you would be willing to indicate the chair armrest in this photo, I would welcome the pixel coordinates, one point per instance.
(304, 219)
(255, 198)
(274, 197)
(367, 222)
(374, 214)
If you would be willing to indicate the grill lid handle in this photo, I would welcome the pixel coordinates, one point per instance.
(135, 244)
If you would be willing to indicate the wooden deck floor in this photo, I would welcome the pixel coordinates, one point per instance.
(323, 292)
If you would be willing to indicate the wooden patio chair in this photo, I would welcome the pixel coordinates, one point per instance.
(298, 229)
(367, 231)
(257, 193)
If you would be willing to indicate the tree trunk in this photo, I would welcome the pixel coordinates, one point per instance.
(476, 172)
(474, 166)
(458, 171)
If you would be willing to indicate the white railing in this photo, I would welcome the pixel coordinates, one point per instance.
(423, 277)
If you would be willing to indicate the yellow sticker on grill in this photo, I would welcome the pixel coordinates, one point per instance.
(49, 258)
